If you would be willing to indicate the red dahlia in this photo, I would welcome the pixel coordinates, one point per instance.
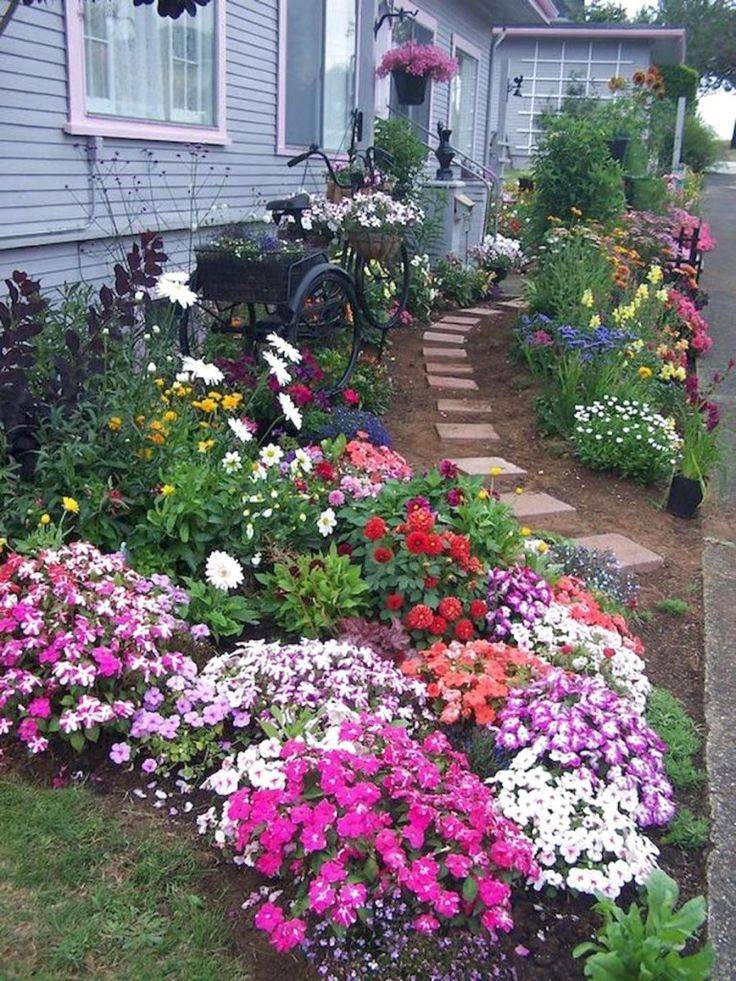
(434, 545)
(325, 470)
(394, 601)
(375, 528)
(478, 609)
(382, 554)
(439, 626)
(450, 608)
(416, 542)
(419, 617)
(464, 630)
(420, 520)
(430, 582)
(344, 548)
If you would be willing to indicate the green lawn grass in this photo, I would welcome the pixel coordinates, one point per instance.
(90, 892)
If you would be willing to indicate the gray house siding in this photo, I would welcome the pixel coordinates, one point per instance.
(549, 66)
(57, 226)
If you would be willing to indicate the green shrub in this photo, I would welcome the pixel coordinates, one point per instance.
(309, 595)
(647, 944)
(573, 169)
(700, 146)
(395, 136)
(460, 284)
(570, 262)
(687, 830)
(672, 607)
(680, 80)
(667, 716)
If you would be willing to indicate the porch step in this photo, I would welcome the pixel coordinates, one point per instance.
(442, 381)
(443, 337)
(481, 466)
(466, 430)
(630, 555)
(449, 368)
(463, 405)
(444, 352)
(533, 506)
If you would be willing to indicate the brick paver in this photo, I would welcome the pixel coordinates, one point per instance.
(444, 337)
(630, 554)
(444, 352)
(466, 430)
(442, 381)
(463, 405)
(532, 506)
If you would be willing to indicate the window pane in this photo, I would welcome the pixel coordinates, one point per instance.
(339, 91)
(304, 32)
(151, 68)
(463, 103)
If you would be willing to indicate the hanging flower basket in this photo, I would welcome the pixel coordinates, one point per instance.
(411, 90)
(336, 193)
(412, 66)
(374, 245)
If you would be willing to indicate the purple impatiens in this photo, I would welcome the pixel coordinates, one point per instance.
(515, 595)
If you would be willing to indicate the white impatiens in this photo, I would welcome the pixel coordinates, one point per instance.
(173, 286)
(223, 571)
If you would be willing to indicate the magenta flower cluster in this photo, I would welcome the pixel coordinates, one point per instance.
(81, 637)
(394, 817)
(424, 60)
(577, 723)
(515, 595)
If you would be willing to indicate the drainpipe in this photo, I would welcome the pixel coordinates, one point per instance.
(53, 236)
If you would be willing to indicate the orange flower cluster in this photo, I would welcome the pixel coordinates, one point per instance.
(650, 79)
(471, 681)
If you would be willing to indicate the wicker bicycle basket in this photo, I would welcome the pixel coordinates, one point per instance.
(374, 245)
(269, 279)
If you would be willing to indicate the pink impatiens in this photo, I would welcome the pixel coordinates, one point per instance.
(423, 60)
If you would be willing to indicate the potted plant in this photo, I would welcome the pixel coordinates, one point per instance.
(498, 254)
(412, 65)
(374, 224)
(617, 147)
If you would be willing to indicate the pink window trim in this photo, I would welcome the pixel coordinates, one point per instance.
(81, 123)
(284, 149)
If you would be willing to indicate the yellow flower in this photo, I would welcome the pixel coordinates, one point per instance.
(595, 321)
(645, 372)
(542, 547)
(170, 416)
(495, 471)
(587, 298)
(483, 494)
(156, 426)
(205, 444)
(160, 382)
(114, 423)
(230, 402)
(662, 296)
(215, 395)
(168, 489)
(70, 504)
(3, 543)
(655, 274)
(576, 211)
(206, 405)
(45, 519)
(158, 438)
(518, 490)
(147, 453)
(524, 531)
(140, 419)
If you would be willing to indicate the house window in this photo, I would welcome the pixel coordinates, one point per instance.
(318, 71)
(419, 116)
(135, 75)
(464, 101)
(142, 66)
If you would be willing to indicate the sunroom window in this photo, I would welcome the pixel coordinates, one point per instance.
(319, 59)
(463, 102)
(144, 67)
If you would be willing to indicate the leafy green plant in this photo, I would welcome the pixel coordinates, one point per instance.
(492, 528)
(571, 263)
(310, 594)
(701, 452)
(460, 284)
(667, 716)
(636, 945)
(672, 607)
(224, 614)
(687, 830)
(396, 137)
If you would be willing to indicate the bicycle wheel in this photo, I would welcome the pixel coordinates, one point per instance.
(213, 317)
(383, 288)
(325, 321)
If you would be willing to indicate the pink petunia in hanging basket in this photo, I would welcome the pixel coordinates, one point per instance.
(422, 60)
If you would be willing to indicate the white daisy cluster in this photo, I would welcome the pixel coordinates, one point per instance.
(499, 250)
(584, 829)
(174, 287)
(379, 212)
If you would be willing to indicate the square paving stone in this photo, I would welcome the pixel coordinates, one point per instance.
(482, 311)
(516, 304)
(465, 430)
(442, 381)
(481, 466)
(454, 327)
(444, 352)
(533, 506)
(463, 405)
(449, 369)
(444, 337)
(630, 554)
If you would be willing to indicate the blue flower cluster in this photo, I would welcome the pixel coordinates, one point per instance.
(350, 422)
(594, 341)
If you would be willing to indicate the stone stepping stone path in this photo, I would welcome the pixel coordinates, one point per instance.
(445, 370)
(630, 555)
(461, 405)
(441, 381)
(442, 337)
(444, 352)
(466, 430)
(453, 369)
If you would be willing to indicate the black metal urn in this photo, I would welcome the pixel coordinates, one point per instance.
(445, 154)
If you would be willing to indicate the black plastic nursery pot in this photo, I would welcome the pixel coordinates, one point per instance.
(685, 496)
(618, 146)
(411, 90)
(499, 273)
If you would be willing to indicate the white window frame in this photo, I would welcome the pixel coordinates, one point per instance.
(459, 43)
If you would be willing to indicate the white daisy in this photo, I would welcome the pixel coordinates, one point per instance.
(326, 522)
(172, 286)
(197, 368)
(271, 454)
(241, 429)
(223, 571)
(232, 462)
(277, 367)
(292, 414)
(284, 348)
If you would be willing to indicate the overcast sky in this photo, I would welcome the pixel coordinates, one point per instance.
(718, 109)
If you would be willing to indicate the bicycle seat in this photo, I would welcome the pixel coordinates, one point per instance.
(300, 202)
